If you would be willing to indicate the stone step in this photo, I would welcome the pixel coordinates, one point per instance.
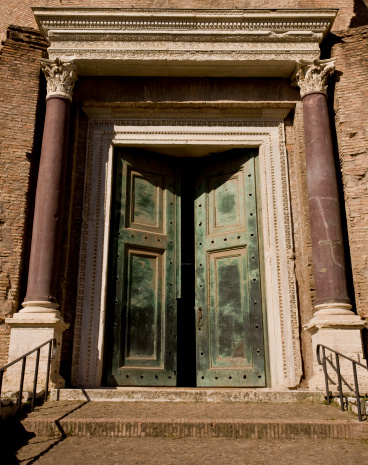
(155, 394)
(252, 420)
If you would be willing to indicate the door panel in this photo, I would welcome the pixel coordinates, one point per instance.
(143, 325)
(143, 270)
(230, 348)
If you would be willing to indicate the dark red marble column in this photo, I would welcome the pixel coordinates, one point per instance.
(46, 232)
(324, 209)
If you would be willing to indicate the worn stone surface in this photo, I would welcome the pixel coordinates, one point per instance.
(196, 420)
(70, 451)
(268, 411)
(153, 394)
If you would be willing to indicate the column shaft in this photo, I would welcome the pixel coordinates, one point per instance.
(324, 208)
(46, 233)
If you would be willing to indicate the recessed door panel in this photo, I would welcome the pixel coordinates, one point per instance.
(228, 309)
(230, 347)
(143, 315)
(146, 194)
(225, 203)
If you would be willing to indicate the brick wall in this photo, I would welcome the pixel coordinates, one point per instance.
(351, 117)
(19, 83)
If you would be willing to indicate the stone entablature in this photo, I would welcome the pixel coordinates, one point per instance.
(178, 42)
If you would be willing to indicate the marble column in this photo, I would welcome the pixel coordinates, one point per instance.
(40, 319)
(333, 323)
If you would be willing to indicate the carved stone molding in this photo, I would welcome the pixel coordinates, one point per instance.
(60, 77)
(311, 76)
(184, 42)
(109, 128)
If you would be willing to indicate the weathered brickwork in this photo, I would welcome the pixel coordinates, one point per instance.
(19, 84)
(350, 104)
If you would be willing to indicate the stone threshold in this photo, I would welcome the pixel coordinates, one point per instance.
(162, 394)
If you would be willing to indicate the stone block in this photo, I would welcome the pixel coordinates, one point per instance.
(28, 331)
(341, 333)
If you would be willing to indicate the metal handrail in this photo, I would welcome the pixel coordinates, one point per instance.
(23, 358)
(339, 377)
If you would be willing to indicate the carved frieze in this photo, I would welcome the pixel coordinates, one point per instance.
(60, 77)
(311, 76)
(184, 42)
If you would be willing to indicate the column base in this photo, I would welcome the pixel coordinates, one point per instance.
(341, 332)
(332, 309)
(27, 331)
(39, 306)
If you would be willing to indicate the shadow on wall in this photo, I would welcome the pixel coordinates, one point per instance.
(361, 13)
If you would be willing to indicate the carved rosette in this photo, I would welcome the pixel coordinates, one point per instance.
(311, 76)
(60, 77)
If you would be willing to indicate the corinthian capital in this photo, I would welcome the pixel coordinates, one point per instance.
(60, 77)
(311, 76)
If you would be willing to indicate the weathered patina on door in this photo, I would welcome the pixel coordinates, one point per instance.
(230, 346)
(143, 270)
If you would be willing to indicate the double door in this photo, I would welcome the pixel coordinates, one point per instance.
(184, 305)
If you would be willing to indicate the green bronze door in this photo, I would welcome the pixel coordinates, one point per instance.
(144, 279)
(230, 346)
(143, 271)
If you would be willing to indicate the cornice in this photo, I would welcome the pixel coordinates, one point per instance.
(184, 42)
(189, 19)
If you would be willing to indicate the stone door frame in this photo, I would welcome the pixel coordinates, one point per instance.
(221, 128)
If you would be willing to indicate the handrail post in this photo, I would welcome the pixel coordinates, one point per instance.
(339, 381)
(1, 380)
(35, 378)
(48, 368)
(325, 372)
(21, 382)
(357, 395)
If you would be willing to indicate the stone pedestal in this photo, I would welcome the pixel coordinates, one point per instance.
(29, 330)
(343, 334)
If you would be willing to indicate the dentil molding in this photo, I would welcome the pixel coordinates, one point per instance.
(184, 42)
